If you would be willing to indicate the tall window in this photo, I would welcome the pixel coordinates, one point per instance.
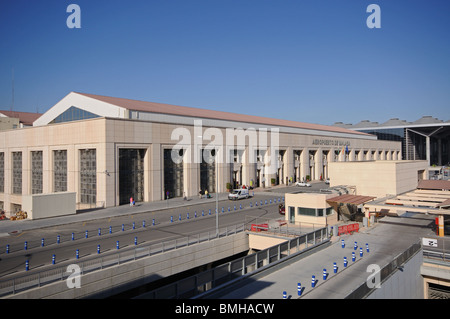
(60, 171)
(17, 173)
(36, 172)
(88, 176)
(2, 172)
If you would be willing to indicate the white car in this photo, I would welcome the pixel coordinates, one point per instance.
(238, 194)
(302, 184)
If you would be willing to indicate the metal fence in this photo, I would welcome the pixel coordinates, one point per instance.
(436, 250)
(22, 282)
(212, 278)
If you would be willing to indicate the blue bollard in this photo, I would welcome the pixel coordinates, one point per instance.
(325, 275)
(123, 227)
(299, 289)
(284, 295)
(353, 256)
(345, 262)
(335, 268)
(209, 211)
(58, 239)
(265, 203)
(355, 246)
(367, 247)
(110, 229)
(134, 225)
(187, 216)
(7, 249)
(153, 222)
(342, 243)
(135, 241)
(313, 281)
(256, 203)
(270, 202)
(179, 217)
(223, 210)
(53, 259)
(143, 224)
(98, 249)
(171, 219)
(25, 246)
(203, 213)
(360, 252)
(261, 203)
(251, 205)
(42, 242)
(73, 236)
(77, 254)
(99, 231)
(195, 214)
(86, 234)
(234, 207)
(240, 206)
(27, 265)
(117, 245)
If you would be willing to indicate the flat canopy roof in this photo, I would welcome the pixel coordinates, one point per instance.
(351, 199)
(434, 184)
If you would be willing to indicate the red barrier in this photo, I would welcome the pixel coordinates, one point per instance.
(259, 227)
(348, 229)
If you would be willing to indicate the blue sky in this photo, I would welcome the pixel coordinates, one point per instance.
(312, 61)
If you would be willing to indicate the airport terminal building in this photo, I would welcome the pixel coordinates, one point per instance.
(108, 149)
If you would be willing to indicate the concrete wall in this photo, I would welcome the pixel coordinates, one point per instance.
(404, 284)
(263, 241)
(49, 205)
(377, 178)
(113, 280)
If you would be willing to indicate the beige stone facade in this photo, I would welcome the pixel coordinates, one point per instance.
(299, 153)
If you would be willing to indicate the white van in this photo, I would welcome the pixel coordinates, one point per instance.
(238, 194)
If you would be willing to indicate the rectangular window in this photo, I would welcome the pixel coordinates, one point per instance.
(36, 172)
(329, 211)
(17, 173)
(60, 171)
(88, 176)
(306, 211)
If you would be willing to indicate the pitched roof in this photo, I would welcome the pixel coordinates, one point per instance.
(26, 118)
(162, 108)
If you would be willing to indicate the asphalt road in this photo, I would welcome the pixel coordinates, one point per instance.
(127, 225)
(40, 257)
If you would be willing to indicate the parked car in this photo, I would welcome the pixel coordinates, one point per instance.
(238, 194)
(302, 184)
(327, 181)
(281, 209)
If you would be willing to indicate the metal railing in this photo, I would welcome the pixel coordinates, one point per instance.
(25, 281)
(200, 283)
(436, 250)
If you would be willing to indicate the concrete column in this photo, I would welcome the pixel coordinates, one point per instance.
(289, 163)
(304, 163)
(318, 164)
(428, 151)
